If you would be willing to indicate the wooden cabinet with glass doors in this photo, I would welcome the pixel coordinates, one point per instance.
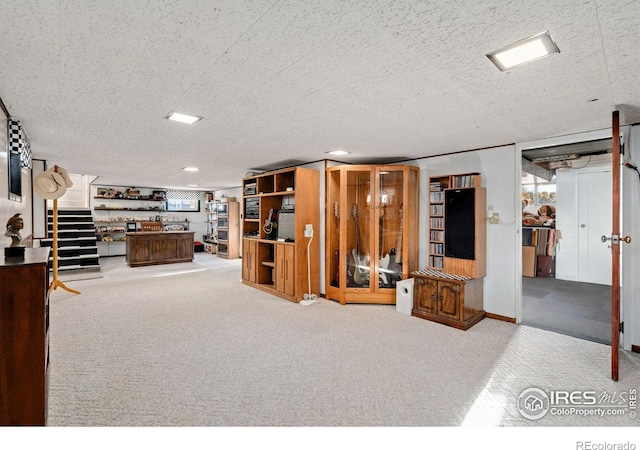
(371, 231)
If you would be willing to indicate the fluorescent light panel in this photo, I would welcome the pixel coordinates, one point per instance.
(183, 118)
(190, 169)
(338, 152)
(524, 51)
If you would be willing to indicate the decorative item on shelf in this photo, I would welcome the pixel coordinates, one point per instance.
(14, 225)
(159, 195)
(105, 192)
(51, 185)
(271, 225)
(132, 193)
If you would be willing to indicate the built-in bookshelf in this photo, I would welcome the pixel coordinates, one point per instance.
(449, 290)
(437, 185)
(440, 257)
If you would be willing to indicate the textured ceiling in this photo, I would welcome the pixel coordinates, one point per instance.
(281, 80)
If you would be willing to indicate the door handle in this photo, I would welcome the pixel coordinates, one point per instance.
(615, 239)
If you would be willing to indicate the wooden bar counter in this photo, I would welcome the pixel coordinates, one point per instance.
(159, 247)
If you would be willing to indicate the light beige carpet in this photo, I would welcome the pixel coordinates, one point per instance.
(189, 345)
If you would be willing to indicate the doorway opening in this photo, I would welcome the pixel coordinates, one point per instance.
(566, 283)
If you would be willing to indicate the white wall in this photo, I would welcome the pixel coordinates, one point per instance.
(231, 192)
(500, 177)
(78, 195)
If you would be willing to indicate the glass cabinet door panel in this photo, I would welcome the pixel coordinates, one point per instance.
(334, 258)
(359, 198)
(389, 206)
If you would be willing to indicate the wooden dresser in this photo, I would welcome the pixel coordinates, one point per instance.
(24, 338)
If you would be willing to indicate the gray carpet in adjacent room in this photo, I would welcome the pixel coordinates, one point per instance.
(576, 309)
(189, 345)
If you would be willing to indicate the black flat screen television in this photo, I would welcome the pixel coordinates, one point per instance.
(459, 223)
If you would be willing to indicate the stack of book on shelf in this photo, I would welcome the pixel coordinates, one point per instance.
(463, 181)
(436, 191)
(436, 249)
(436, 222)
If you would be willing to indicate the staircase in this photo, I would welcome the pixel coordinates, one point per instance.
(77, 249)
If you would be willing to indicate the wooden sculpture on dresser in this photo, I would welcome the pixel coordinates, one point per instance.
(14, 225)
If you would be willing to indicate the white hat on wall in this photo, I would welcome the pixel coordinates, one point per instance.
(52, 184)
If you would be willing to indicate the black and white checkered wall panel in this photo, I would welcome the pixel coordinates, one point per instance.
(177, 194)
(19, 142)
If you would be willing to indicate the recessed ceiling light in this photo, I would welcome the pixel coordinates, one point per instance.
(192, 185)
(184, 118)
(190, 169)
(524, 51)
(338, 152)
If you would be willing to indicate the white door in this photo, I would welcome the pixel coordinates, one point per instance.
(594, 219)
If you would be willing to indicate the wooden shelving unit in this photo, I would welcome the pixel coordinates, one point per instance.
(439, 257)
(112, 216)
(227, 235)
(275, 257)
(211, 210)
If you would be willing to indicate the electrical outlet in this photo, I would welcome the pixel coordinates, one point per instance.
(308, 230)
(494, 219)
